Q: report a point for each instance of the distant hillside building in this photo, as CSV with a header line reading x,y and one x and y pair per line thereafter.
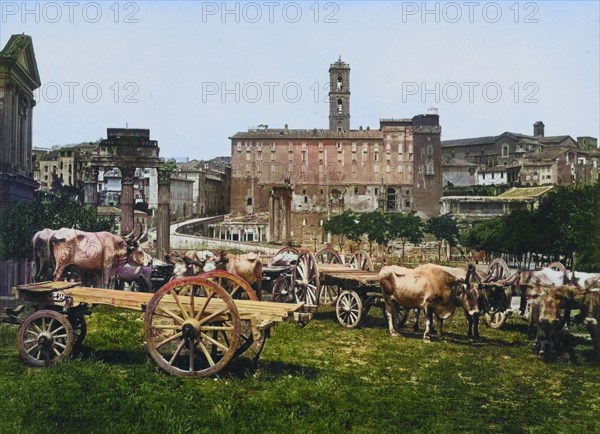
x,y
523,160
298,178
211,189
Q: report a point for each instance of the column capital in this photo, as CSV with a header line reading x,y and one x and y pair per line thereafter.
x,y
127,175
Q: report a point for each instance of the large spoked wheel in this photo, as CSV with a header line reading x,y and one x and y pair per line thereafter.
x,y
192,327
283,291
45,337
498,270
239,289
399,316
558,266
328,256
329,293
349,309
285,255
306,280
361,260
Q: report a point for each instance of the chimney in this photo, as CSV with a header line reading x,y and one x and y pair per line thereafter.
x,y
538,129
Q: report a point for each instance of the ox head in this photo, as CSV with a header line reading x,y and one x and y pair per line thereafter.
x,y
466,291
220,260
134,253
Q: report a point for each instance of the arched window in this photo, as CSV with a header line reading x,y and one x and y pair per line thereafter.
x,y
249,201
505,151
339,106
340,83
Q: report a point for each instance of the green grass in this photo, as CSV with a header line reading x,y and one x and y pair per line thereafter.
x,y
321,378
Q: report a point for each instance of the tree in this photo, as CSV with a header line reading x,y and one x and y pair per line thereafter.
x,y
443,228
376,226
346,225
406,227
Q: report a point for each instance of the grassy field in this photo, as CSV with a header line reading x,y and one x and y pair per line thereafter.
x,y
321,378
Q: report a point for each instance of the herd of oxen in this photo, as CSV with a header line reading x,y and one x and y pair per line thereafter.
x,y
104,260
548,296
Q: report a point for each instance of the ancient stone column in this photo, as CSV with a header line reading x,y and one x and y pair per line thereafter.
x,y
163,223
90,186
127,219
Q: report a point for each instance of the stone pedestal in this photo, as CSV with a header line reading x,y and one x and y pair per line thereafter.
x,y
127,218
163,241
90,186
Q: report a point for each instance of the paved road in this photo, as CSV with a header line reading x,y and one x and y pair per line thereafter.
x,y
183,241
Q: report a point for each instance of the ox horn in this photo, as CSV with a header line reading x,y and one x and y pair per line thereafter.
x,y
136,239
130,235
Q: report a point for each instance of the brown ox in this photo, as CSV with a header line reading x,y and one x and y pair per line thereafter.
x,y
43,257
100,254
545,321
432,289
248,267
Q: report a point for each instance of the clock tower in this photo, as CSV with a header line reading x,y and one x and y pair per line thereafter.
x,y
339,96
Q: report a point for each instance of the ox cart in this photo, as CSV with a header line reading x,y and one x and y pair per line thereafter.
x,y
294,275
193,326
326,278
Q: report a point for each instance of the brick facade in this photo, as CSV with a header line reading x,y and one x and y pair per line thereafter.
x,y
299,178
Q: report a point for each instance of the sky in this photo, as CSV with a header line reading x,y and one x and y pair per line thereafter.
x,y
195,73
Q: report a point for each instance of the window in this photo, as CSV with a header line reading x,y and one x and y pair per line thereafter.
x,y
505,151
249,201
429,169
320,147
239,146
353,146
339,146
340,83
376,157
429,150
339,106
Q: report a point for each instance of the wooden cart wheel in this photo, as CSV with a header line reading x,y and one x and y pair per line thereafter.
x,y
192,327
349,309
287,254
283,291
495,320
558,266
328,256
239,289
306,280
498,270
45,337
329,293
361,260
399,315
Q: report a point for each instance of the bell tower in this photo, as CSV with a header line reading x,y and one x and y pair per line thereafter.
x,y
339,96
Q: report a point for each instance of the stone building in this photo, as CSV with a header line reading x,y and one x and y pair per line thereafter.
x,y
18,79
474,208
300,177
523,160
211,189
